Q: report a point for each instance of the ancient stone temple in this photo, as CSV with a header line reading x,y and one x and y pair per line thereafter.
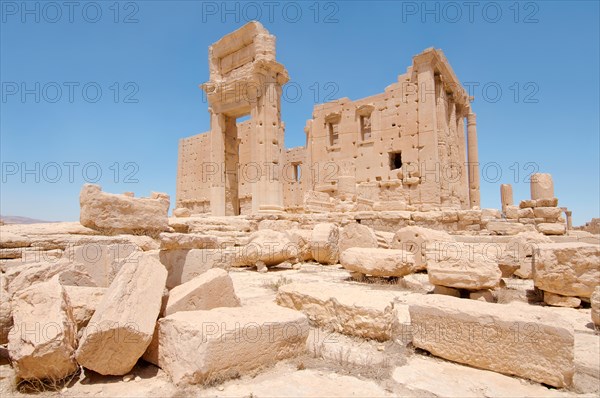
x,y
411,147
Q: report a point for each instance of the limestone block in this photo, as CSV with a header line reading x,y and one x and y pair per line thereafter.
x,y
300,244
270,247
595,304
542,186
547,212
379,262
122,214
278,225
527,203
347,309
179,241
84,300
508,228
212,289
448,291
568,269
557,300
6,320
356,235
123,324
461,266
102,261
202,346
553,202
518,254
20,278
43,340
419,241
526,213
184,265
324,243
551,228
181,212
487,214
482,295
512,212
525,342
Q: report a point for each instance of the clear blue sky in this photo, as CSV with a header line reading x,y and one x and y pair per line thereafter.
x,y
543,56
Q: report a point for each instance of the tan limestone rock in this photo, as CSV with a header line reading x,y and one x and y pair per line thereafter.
x,y
419,241
356,235
122,214
595,304
122,325
6,320
179,241
84,300
552,228
379,262
43,341
324,243
212,289
557,300
202,346
518,254
526,342
568,269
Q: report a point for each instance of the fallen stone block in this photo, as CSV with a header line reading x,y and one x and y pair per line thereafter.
x,y
568,269
324,243
179,241
447,291
379,262
348,309
102,261
595,304
43,340
268,247
6,320
525,341
460,266
552,228
20,278
122,326
84,300
356,235
557,300
112,213
419,241
182,212
508,228
300,244
212,289
518,254
202,346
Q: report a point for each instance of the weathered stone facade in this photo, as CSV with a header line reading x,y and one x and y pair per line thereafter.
x,y
408,147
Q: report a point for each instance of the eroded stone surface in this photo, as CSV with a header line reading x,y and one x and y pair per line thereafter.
x,y
527,342
379,262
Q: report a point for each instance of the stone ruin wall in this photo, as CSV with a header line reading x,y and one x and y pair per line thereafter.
x,y
403,149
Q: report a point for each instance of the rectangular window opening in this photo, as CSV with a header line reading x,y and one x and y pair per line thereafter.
x,y
395,160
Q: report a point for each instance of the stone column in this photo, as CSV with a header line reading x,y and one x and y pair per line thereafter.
x,y
542,186
267,191
217,166
568,215
429,187
473,160
506,196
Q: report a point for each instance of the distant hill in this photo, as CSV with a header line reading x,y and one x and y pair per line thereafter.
x,y
21,220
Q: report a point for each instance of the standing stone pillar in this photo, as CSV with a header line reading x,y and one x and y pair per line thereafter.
x,y
569,216
217,163
428,139
542,186
267,189
506,196
473,160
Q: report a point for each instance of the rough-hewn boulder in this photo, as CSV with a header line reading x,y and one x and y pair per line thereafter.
x,y
379,262
420,241
42,342
202,346
356,235
269,247
6,320
518,254
212,289
525,341
179,241
108,212
595,304
122,326
568,269
324,243
84,300
462,266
